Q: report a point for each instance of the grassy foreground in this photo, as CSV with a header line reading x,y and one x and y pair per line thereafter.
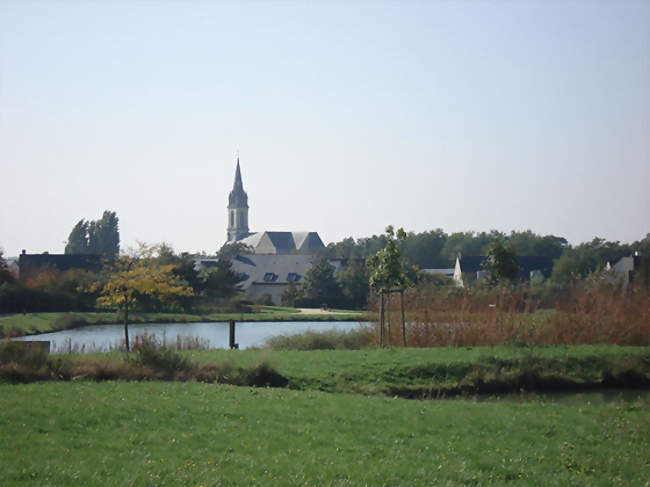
x,y
171,433
426,372
44,322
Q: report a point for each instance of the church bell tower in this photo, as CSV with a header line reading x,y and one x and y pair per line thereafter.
x,y
237,209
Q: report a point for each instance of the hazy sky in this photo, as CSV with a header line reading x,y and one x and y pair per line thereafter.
x,y
348,116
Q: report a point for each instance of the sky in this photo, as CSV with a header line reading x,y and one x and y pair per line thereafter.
x,y
348,116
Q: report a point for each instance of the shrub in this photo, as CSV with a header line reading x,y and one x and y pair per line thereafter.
x,y
148,353
328,340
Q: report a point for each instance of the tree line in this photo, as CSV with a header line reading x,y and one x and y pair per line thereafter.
x,y
436,249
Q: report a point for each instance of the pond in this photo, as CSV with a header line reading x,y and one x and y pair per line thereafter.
x,y
101,338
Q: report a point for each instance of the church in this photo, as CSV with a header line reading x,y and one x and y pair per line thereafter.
x,y
277,258
263,242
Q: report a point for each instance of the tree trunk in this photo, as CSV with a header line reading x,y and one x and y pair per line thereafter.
x,y
403,323
381,320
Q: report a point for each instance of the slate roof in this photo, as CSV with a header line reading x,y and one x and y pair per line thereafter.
x,y
283,242
527,264
272,268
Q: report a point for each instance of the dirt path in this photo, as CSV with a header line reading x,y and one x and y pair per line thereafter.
x,y
318,311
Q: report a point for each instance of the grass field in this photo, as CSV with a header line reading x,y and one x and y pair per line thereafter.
x,y
44,322
411,373
170,433
423,372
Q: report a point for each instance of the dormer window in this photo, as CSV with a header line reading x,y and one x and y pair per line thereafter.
x,y
293,277
270,277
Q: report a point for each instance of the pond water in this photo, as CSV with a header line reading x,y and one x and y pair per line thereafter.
x,y
101,338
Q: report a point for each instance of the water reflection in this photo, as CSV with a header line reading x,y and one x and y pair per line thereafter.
x,y
101,338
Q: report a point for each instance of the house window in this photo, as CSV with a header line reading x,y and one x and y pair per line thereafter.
x,y
293,277
270,277
232,218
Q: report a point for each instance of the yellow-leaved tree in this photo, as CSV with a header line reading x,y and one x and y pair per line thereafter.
x,y
133,277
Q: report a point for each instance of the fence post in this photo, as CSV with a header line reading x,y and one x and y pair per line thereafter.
x,y
389,340
401,293
381,318
233,345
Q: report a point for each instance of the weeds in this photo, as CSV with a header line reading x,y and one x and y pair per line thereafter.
x,y
149,360
328,340
588,314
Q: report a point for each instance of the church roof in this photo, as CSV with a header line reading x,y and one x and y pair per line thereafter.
x,y
283,242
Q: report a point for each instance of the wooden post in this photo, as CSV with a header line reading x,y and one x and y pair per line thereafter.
x,y
232,343
126,326
381,318
389,330
401,293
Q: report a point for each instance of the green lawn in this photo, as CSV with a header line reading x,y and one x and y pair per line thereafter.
x,y
44,322
427,372
170,433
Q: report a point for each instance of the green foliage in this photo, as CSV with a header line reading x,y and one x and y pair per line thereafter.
x,y
5,275
78,239
149,353
100,237
386,266
221,281
320,286
578,262
354,282
290,295
230,250
328,340
501,263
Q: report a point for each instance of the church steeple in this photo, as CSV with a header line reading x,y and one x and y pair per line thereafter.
x,y
237,209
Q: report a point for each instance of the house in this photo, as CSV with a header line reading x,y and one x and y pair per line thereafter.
x,y
444,272
271,274
30,265
531,268
622,272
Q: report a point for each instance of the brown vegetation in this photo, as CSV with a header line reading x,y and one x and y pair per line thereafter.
x,y
148,361
587,314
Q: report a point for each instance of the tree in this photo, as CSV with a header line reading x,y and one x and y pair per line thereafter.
x,y
78,239
107,234
99,237
320,286
586,258
221,281
5,273
230,250
386,266
132,278
387,275
501,262
353,280
290,295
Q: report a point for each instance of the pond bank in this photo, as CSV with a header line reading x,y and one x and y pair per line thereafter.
x,y
35,323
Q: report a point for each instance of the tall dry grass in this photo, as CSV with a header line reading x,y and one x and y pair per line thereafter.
x,y
584,314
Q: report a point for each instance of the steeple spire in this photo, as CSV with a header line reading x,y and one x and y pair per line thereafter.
x,y
237,209
238,184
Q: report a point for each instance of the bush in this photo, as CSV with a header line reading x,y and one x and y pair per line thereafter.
x,y
328,340
148,353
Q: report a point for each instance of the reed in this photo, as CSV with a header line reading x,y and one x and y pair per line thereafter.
x,y
587,313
